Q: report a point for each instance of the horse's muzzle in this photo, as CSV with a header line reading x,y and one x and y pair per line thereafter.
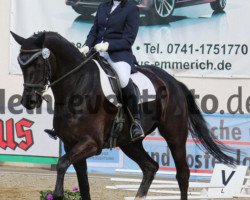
x,y
31,100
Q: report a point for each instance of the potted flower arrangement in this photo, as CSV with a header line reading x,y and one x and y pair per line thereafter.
x,y
73,194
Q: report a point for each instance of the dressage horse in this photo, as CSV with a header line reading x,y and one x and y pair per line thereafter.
x,y
84,126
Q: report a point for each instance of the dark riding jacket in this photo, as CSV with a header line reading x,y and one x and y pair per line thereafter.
x,y
118,28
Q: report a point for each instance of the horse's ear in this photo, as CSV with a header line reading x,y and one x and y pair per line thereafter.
x,y
40,40
20,40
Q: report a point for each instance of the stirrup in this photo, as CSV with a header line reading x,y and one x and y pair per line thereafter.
x,y
51,133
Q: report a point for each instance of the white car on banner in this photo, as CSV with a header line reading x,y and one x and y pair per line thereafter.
x,y
154,8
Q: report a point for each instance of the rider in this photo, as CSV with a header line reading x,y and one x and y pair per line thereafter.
x,y
112,35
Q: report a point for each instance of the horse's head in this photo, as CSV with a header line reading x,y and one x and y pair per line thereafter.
x,y
33,60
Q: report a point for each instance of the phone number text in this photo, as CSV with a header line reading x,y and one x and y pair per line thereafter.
x,y
216,49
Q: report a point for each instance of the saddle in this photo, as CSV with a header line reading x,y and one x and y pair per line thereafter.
x,y
112,76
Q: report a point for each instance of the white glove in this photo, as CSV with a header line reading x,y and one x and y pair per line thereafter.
x,y
84,50
102,47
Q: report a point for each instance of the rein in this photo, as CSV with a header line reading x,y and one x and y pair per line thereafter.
x,y
73,70
45,53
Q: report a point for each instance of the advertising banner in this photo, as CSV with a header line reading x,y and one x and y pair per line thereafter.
x,y
209,39
232,130
22,133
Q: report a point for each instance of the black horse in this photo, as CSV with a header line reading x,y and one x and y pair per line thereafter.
x,y
85,131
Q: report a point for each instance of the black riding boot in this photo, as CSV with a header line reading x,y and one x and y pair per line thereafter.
x,y
131,100
51,133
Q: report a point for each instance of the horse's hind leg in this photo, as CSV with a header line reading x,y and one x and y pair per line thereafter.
x,y
149,167
182,175
82,177
176,138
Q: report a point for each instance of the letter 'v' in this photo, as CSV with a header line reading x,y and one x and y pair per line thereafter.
x,y
224,180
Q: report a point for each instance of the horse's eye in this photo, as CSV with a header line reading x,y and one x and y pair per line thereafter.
x,y
25,57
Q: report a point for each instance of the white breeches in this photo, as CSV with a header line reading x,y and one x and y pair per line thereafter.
x,y
122,69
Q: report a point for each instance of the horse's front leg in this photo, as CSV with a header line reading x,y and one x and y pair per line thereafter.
x,y
87,147
61,168
82,177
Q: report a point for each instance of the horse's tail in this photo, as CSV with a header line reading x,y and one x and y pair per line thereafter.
x,y
197,125
200,131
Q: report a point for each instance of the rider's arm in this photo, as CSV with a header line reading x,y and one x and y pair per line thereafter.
x,y
92,36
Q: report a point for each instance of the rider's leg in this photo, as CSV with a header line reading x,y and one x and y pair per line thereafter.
x,y
130,98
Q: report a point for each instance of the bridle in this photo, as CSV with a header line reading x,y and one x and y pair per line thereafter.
x,y
39,88
45,54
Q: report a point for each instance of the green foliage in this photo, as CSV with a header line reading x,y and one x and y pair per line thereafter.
x,y
43,194
68,195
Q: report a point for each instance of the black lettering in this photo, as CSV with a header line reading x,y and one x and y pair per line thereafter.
x,y
224,180
238,99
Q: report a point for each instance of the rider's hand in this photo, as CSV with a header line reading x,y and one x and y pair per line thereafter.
x,y
84,50
102,47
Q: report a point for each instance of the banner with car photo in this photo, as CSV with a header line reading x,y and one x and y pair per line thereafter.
x,y
194,38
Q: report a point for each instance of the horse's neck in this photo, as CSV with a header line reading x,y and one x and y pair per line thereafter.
x,y
78,83
75,83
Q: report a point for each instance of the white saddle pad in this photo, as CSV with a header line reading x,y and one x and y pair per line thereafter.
x,y
145,86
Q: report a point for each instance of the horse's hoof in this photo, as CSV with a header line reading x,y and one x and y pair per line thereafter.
x,y
56,197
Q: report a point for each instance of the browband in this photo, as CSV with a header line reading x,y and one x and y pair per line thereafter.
x,y
45,52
